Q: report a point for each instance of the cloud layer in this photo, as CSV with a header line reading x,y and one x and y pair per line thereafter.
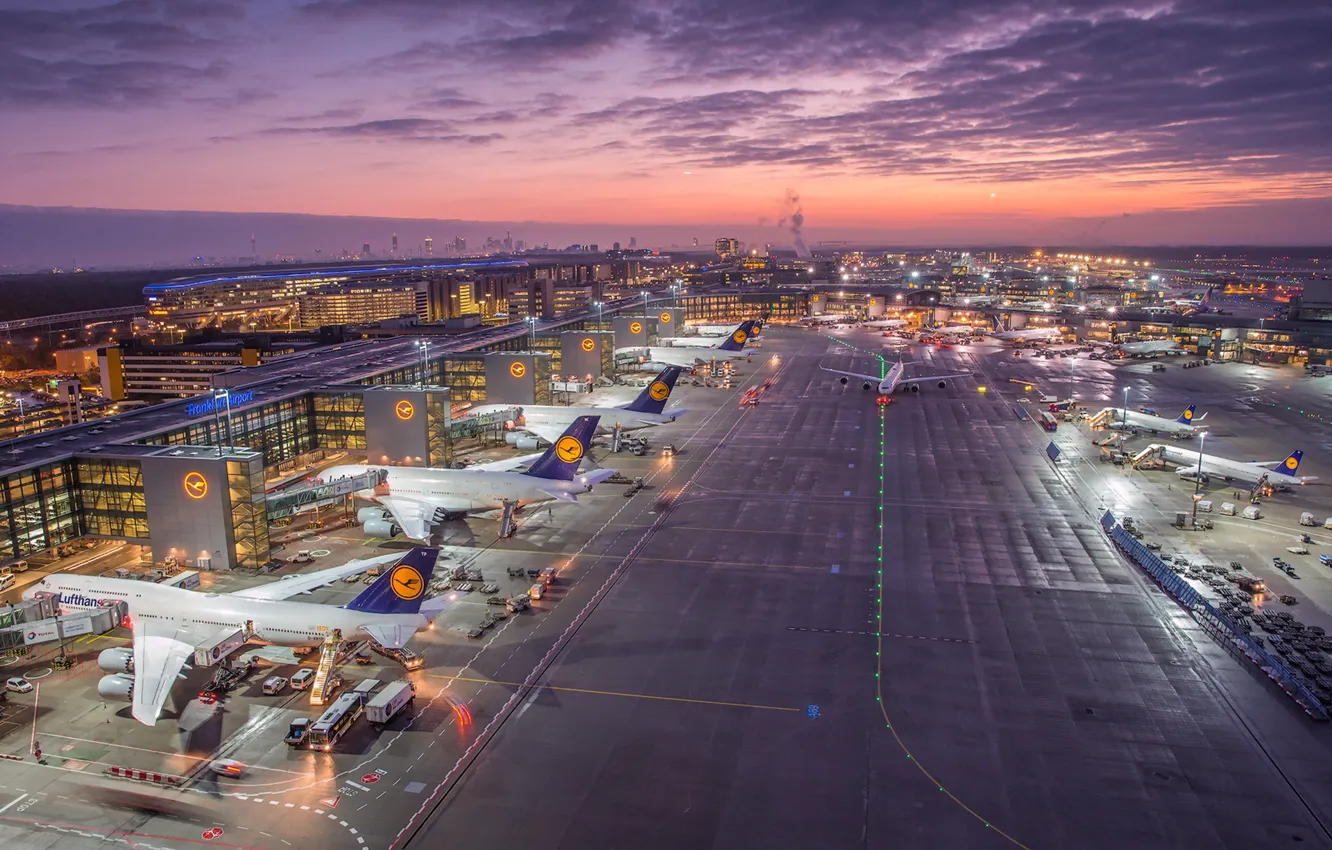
x,y
530,108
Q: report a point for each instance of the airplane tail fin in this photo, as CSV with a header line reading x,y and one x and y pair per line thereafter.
x,y
401,588
560,461
736,342
1186,418
1290,465
654,396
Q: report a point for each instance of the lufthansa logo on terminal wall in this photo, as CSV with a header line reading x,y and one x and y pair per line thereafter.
x,y
196,486
635,327
517,369
665,317
588,344
406,582
404,410
569,449
659,391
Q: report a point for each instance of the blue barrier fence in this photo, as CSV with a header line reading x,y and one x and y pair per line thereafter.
x,y
1216,621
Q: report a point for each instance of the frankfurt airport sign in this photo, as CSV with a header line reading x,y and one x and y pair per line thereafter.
x,y
199,408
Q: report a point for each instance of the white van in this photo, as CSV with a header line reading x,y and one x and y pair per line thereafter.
x,y
7,581
303,678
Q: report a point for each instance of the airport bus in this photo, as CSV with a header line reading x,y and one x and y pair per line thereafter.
x,y
1048,421
335,722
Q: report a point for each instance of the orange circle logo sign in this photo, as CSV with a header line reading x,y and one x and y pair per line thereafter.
x,y
739,337
569,449
635,327
1291,463
589,344
1188,414
196,486
517,369
404,410
666,317
406,583
658,391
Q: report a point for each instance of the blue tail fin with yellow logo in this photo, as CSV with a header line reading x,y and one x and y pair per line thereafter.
x,y
736,341
560,462
401,588
1290,465
654,396
1186,418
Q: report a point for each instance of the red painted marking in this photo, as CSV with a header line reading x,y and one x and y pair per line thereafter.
x,y
370,778
331,802
210,834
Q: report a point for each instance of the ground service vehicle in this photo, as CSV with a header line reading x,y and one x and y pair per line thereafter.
x,y
1048,422
334,723
274,685
303,678
299,731
386,704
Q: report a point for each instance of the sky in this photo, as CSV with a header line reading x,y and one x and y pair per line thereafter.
x,y
944,120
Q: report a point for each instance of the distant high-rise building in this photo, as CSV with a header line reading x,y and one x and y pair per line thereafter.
x,y
459,245
519,245
633,242
615,246
727,247
365,249
429,246
508,242
395,243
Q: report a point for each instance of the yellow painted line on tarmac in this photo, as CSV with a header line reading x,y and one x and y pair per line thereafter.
x,y
614,693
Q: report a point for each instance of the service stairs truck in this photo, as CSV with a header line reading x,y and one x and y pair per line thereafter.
x,y
386,704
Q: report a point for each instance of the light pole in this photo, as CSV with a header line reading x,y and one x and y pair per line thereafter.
x,y
597,304
220,397
421,346
645,294
531,335
1126,389
1197,480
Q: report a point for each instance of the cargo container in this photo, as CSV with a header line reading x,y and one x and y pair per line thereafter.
x,y
218,646
386,704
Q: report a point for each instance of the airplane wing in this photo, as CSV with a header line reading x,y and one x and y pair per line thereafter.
x,y
290,586
875,378
595,476
412,515
390,635
510,463
161,648
914,378
549,433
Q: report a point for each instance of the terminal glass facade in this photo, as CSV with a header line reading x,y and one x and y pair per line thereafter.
x,y
282,430
39,510
340,420
111,497
725,307
249,522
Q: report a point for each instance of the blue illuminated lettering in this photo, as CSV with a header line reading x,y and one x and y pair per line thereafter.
x,y
199,408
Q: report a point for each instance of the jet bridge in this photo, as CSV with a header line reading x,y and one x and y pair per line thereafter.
x,y
291,501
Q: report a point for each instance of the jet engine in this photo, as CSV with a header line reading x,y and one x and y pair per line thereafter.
x,y
365,515
942,384
117,687
116,660
915,388
381,528
526,443
843,379
867,385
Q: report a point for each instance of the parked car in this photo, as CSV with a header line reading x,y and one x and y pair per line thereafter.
x,y
275,685
18,685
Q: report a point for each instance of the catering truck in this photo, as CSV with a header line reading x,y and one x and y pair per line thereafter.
x,y
386,704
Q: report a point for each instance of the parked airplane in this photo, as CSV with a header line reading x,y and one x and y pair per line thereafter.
x,y
733,348
884,324
1028,334
1277,474
1149,348
952,330
646,411
419,498
168,623
894,380
702,341
826,319
723,330
1185,425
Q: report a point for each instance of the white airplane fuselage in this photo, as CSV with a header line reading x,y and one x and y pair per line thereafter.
x,y
558,416
1115,417
467,490
281,623
1220,467
689,356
